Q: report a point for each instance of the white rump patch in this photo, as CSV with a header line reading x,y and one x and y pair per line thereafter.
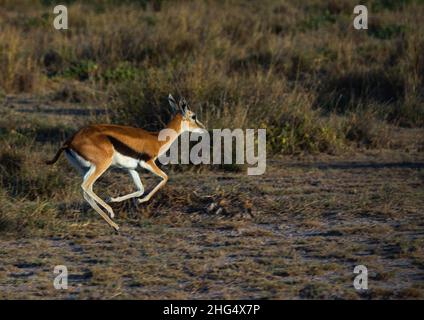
x,y
76,160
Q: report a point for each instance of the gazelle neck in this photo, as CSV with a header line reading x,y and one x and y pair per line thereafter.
x,y
174,130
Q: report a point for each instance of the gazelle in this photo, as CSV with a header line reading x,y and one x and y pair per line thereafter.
x,y
95,148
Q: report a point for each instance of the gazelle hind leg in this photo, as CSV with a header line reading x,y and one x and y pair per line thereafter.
x,y
92,175
152,167
94,205
139,185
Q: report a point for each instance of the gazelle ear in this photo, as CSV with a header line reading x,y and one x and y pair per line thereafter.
x,y
183,105
172,103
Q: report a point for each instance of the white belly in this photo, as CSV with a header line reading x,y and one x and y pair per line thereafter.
x,y
121,161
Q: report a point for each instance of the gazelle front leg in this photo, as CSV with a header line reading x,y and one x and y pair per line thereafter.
x,y
152,167
139,185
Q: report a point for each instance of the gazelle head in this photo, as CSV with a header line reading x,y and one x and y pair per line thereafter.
x,y
189,120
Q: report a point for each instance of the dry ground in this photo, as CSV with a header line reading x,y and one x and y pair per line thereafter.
x,y
295,232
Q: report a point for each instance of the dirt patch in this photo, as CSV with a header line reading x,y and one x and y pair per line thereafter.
x,y
302,230
296,232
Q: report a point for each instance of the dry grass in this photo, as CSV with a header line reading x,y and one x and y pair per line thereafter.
x,y
285,65
339,104
296,232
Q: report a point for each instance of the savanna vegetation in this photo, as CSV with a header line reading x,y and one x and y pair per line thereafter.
x,y
298,68
324,91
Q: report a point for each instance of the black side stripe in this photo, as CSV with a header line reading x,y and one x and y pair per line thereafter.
x,y
122,148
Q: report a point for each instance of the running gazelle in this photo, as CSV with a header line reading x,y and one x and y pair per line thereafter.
x,y
95,148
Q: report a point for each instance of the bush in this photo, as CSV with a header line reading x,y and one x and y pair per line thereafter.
x,y
366,130
303,132
239,64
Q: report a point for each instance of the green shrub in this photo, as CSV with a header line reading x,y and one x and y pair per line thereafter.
x,y
81,70
299,133
387,31
124,71
392,5
316,21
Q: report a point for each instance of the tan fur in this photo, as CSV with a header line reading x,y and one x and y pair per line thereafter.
x,y
94,145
